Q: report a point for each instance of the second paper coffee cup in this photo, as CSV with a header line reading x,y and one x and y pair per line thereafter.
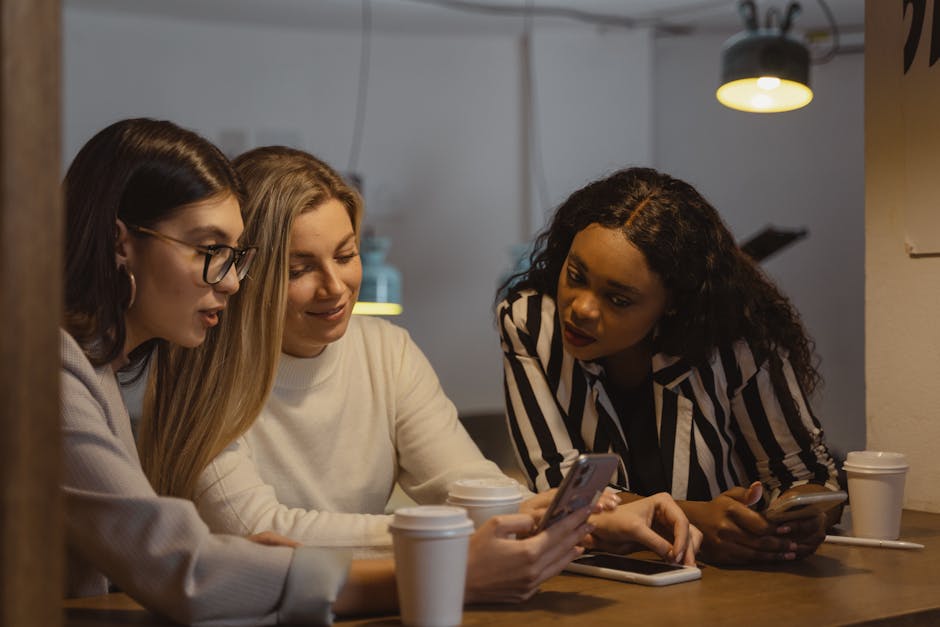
x,y
484,498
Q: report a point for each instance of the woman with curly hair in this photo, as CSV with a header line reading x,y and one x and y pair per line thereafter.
x,y
640,328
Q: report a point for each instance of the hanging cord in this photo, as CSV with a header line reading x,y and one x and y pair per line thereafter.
x,y
529,10
364,59
589,17
833,33
535,161
772,19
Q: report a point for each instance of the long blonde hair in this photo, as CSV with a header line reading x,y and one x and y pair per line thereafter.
x,y
222,385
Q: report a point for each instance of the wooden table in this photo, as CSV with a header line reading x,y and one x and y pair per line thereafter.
x,y
840,585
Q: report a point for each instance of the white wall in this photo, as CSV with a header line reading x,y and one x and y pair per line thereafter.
x,y
902,294
797,169
443,155
594,106
443,152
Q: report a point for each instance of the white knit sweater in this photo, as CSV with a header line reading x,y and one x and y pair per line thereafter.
x,y
338,431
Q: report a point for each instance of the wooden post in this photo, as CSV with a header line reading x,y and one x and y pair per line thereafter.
x,y
31,243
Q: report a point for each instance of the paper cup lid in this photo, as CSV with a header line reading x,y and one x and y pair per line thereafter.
x,y
431,518
458,501
482,489
882,460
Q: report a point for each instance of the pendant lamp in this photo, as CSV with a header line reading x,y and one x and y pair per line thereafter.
x,y
764,70
380,292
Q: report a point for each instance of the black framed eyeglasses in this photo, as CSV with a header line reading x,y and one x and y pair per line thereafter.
x,y
219,257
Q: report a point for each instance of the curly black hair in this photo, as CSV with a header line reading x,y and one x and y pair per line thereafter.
x,y
717,294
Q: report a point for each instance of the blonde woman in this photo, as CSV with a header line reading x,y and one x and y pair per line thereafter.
x,y
153,258
354,405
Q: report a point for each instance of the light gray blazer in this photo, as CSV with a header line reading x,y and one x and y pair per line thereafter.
x,y
156,548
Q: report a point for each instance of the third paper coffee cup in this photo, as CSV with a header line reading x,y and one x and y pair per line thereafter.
x,y
430,543
876,492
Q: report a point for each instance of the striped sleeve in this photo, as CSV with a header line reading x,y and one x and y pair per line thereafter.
x,y
784,438
536,374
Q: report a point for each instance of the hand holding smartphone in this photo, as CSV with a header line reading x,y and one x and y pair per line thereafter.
x,y
803,505
581,487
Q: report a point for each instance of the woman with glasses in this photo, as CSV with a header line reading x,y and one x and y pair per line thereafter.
x,y
641,329
354,405
153,255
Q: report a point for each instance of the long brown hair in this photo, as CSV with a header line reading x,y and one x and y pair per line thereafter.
x,y
717,293
140,171
227,379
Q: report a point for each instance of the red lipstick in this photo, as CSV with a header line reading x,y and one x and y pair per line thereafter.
x,y
577,337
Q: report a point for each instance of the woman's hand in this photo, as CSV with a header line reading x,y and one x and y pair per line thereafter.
x,y
502,569
809,533
656,523
736,534
538,504
269,538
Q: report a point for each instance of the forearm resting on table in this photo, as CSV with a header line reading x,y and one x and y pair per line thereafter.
x,y
369,589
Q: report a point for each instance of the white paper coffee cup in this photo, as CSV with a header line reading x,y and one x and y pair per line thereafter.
x,y
484,498
430,544
876,492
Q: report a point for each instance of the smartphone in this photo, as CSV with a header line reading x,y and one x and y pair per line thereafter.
x,y
632,570
581,487
803,505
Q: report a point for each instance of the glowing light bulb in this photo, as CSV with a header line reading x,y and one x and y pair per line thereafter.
x,y
768,83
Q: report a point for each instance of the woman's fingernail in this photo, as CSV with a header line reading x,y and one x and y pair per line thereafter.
x,y
783,529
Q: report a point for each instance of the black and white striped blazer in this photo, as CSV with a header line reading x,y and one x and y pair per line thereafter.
x,y
719,426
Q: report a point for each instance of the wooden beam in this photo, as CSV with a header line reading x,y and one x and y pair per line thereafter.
x,y
31,243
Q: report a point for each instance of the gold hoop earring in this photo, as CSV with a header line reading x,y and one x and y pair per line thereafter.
x,y
132,280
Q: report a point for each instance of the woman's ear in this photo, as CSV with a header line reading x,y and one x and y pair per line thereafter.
x,y
121,244
671,308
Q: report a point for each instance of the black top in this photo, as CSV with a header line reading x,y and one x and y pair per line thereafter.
x,y
637,414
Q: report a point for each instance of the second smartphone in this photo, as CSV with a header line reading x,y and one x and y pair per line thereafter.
x,y
645,572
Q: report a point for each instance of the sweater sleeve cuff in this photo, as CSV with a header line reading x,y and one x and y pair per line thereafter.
x,y
314,580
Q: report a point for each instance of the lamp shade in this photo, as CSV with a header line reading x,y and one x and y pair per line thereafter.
x,y
380,292
764,71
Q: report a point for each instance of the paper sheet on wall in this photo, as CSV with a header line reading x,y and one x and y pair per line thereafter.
x,y
920,105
